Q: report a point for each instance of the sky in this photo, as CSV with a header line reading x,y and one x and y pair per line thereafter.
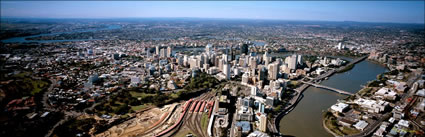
x,y
361,11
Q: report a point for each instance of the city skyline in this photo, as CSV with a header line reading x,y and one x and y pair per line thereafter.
x,y
359,11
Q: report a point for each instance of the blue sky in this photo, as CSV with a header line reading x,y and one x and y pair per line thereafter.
x,y
363,11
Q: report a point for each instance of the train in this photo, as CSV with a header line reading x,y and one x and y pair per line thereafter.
x,y
193,106
198,105
186,105
178,121
203,106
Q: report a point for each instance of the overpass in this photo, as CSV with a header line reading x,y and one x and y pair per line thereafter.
x,y
328,88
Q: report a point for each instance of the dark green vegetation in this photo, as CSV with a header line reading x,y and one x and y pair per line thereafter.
x,y
135,99
73,127
21,126
294,84
16,122
287,96
21,85
347,68
310,59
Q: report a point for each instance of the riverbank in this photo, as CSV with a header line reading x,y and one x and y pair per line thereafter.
x,y
307,115
331,125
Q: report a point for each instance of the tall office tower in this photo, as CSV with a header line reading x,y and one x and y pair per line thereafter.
x,y
205,59
263,123
273,71
244,49
192,62
299,59
292,62
180,61
232,57
253,62
224,57
262,75
162,53
266,57
217,61
212,58
148,53
261,107
185,60
252,72
169,51
206,67
157,50
245,78
266,62
220,64
226,70
254,90
242,61
208,48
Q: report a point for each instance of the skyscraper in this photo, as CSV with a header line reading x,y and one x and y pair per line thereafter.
x,y
157,50
292,62
244,49
226,70
253,62
273,71
263,123
163,53
299,59
169,51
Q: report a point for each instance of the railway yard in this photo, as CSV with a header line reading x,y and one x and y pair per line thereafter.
x,y
170,120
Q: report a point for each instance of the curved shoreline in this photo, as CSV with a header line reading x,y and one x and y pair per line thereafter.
x,y
327,129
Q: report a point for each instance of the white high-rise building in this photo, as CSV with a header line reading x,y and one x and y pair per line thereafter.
x,y
340,46
245,78
253,62
263,123
292,62
266,58
169,51
225,58
163,53
157,50
254,90
273,71
185,60
226,70
299,59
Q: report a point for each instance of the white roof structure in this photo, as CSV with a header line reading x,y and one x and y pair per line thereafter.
x,y
361,125
339,107
421,93
403,123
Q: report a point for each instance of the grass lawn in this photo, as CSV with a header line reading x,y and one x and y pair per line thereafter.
x,y
34,86
139,107
138,94
204,121
38,86
331,125
365,91
350,131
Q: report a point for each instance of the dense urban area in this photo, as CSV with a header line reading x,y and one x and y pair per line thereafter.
x,y
204,77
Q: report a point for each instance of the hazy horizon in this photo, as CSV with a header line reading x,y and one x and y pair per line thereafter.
x,y
338,11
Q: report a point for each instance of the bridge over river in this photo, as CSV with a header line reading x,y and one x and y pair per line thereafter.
x,y
328,88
